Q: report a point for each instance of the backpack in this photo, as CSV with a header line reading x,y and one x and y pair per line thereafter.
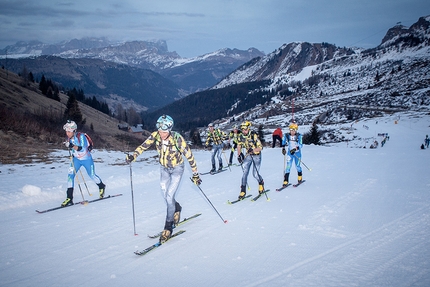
x,y
90,141
175,137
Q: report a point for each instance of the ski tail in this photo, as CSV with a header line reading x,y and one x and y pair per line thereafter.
x,y
156,245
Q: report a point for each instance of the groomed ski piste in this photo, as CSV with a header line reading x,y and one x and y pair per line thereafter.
x,y
361,219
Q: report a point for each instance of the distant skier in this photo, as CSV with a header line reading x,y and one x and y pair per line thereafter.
x,y
277,136
81,156
427,141
233,136
293,140
251,144
171,146
215,137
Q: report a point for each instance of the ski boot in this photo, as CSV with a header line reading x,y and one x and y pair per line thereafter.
x,y
102,188
177,214
213,169
286,176
299,177
242,193
220,167
69,200
261,187
167,232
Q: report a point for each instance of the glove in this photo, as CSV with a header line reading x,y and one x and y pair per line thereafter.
x,y
68,144
129,158
250,151
292,151
196,179
284,152
240,158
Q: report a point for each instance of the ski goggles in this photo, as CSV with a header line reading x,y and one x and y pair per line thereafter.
x,y
164,125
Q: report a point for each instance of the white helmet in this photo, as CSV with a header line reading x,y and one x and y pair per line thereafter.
x,y
70,126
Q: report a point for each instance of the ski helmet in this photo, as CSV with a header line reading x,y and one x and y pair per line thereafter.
x,y
210,125
164,123
294,126
245,125
70,126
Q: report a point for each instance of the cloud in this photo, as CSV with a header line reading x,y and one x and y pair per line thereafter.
x,y
63,23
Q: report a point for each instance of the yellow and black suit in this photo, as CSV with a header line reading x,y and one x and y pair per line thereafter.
x,y
170,153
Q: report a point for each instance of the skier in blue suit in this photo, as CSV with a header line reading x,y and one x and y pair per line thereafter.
x,y
293,140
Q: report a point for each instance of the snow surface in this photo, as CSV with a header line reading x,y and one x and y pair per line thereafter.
x,y
362,218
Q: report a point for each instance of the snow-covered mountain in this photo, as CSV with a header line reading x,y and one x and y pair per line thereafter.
x,y
291,59
320,83
190,74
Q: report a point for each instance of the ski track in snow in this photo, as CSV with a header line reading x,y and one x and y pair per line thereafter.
x,y
361,219
361,254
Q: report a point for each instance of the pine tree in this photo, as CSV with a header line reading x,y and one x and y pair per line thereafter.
x,y
43,87
72,111
195,137
314,137
261,134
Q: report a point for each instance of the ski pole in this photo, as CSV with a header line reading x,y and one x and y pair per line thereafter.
x,y
259,176
225,221
300,161
225,157
132,199
76,176
83,178
285,160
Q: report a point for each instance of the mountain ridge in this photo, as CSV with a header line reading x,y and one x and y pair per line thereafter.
x,y
190,75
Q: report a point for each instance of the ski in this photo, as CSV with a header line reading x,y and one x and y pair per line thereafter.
x,y
299,183
234,164
98,199
180,223
237,200
260,194
283,187
80,202
213,172
156,245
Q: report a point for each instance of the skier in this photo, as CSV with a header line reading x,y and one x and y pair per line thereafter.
x,y
293,140
216,137
80,156
277,136
233,136
250,142
427,141
171,146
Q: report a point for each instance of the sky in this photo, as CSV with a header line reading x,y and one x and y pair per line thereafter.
x,y
362,218
194,27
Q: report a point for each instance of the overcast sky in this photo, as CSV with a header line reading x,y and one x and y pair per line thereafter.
x,y
196,27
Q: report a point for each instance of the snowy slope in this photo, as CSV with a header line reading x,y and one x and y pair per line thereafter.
x,y
361,219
